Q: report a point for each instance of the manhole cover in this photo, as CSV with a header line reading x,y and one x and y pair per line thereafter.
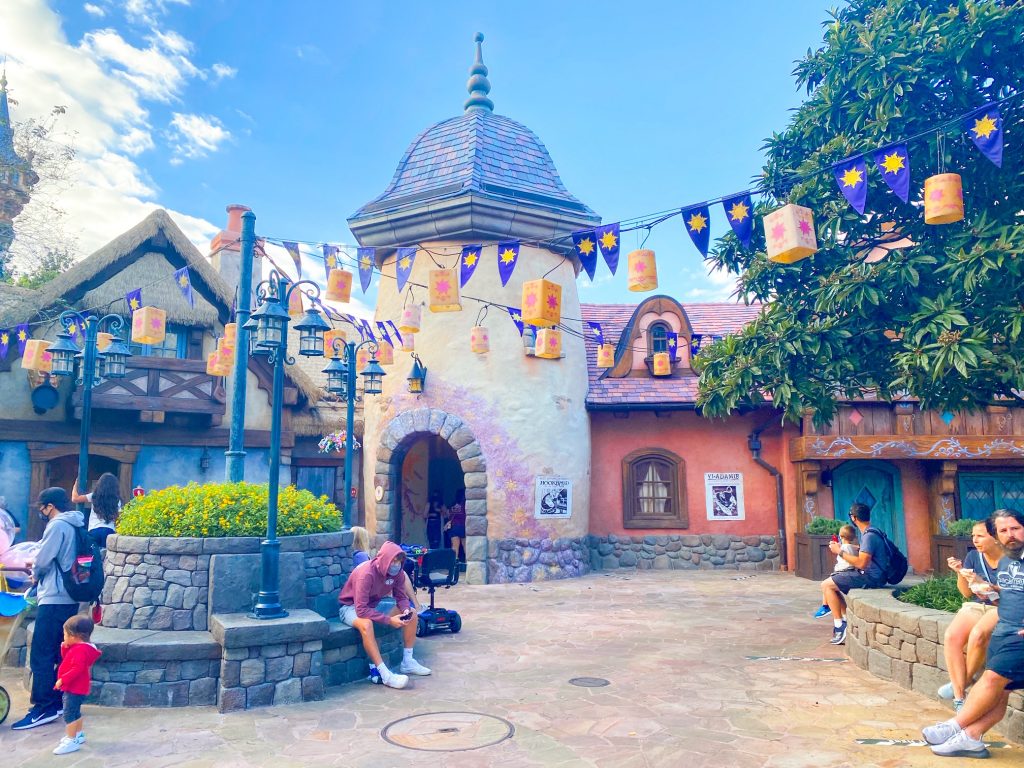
x,y
589,682
448,731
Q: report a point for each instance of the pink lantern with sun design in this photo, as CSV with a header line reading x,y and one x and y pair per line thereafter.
x,y
385,353
479,339
605,356
943,199
36,357
339,285
408,343
149,325
542,302
662,364
549,343
411,318
643,271
789,233
444,290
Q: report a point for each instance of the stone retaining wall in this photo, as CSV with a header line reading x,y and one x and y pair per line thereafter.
x,y
522,560
684,552
902,642
164,583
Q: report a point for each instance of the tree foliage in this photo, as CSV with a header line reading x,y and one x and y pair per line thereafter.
x,y
941,320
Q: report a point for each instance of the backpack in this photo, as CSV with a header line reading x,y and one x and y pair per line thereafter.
x,y
84,580
898,565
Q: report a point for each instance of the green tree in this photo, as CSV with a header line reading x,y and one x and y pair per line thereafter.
x,y
941,320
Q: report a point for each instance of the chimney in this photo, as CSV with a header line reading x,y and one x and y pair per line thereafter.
x,y
226,247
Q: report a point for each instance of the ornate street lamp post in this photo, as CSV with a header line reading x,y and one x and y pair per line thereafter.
x,y
341,380
271,321
94,367
234,457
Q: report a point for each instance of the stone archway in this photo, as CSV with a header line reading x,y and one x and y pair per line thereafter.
x,y
450,428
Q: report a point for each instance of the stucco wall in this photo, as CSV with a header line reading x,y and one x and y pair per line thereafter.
x,y
16,389
15,475
161,466
527,414
916,513
705,446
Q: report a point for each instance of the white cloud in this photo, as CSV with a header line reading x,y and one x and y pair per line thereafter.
x,y
194,136
106,115
94,10
222,71
158,72
148,11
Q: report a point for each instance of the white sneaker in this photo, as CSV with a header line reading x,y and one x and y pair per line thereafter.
x,y
67,745
413,667
946,692
940,733
961,745
391,680
80,737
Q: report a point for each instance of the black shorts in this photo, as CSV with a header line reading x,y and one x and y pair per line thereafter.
x,y
1005,657
847,580
73,707
458,531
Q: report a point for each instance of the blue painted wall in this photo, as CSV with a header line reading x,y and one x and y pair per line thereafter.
x,y
162,466
15,478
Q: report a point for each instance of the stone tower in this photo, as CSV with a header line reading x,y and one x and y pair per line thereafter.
x,y
16,176
490,423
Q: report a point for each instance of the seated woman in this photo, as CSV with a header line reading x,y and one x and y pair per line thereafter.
x,y
973,624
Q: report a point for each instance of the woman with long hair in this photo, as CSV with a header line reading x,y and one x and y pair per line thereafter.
x,y
457,522
105,499
360,545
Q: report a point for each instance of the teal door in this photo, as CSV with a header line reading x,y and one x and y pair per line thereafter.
x,y
876,484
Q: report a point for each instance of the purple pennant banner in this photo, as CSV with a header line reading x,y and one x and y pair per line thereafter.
x,y
5,342
697,220
893,163
404,259
22,334
596,332
739,210
517,317
366,257
585,243
468,263
608,242
986,130
852,178
394,330
508,255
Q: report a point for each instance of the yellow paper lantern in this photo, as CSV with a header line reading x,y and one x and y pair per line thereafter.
x,y
295,304
362,358
549,343
542,302
444,290
662,364
230,335
149,325
479,339
339,285
943,199
410,322
643,271
605,356
329,338
789,233
408,342
385,354
103,340
36,357
218,364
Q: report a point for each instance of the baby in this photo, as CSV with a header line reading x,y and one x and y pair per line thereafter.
x,y
848,536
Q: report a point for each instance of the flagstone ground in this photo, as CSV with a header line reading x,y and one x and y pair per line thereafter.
x,y
672,644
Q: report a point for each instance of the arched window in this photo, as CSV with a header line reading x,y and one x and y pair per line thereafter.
x,y
654,490
657,338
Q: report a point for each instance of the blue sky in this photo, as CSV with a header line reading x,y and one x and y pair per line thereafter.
x,y
302,110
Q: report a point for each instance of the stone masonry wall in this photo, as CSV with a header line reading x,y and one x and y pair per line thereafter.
x,y
163,583
684,552
522,560
902,642
261,675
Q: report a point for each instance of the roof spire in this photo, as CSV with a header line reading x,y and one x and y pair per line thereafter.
x,y
478,85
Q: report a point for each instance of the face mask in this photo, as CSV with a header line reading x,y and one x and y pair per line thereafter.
x,y
394,569
43,516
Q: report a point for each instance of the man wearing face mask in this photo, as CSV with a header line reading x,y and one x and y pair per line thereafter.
x,y
56,552
372,583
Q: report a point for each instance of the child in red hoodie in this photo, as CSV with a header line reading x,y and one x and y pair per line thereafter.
x,y
74,678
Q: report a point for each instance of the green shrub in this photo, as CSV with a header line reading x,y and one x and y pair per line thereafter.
x,y
962,527
824,526
225,509
939,593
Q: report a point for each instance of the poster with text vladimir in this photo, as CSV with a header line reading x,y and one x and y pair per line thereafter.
x,y
724,494
553,497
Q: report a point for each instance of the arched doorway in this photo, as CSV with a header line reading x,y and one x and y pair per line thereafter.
x,y
426,464
876,484
426,429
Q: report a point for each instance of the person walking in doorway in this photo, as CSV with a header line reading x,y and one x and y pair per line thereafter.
x,y
456,525
434,513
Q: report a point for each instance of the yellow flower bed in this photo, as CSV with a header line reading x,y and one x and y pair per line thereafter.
x,y
225,509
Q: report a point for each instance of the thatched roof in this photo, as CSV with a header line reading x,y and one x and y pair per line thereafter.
x,y
146,257
322,418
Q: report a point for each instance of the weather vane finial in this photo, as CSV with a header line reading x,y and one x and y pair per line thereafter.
x,y
478,85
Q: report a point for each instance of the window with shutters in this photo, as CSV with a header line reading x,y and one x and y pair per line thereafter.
x,y
654,490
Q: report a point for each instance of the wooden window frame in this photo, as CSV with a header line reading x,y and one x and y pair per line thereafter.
x,y
650,337
632,516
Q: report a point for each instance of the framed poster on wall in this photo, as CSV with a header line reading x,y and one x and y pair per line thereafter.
x,y
553,497
724,494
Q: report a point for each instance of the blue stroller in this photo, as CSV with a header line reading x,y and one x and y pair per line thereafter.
x,y
12,605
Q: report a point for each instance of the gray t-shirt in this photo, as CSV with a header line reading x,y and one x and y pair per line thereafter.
x,y
1010,581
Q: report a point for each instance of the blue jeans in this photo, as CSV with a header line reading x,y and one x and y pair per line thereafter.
x,y
45,656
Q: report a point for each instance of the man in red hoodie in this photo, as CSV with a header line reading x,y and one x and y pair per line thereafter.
x,y
360,598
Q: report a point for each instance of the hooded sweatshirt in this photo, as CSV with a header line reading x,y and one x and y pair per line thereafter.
x,y
56,547
75,667
370,582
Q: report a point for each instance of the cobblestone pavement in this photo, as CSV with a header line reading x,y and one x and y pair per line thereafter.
x,y
673,645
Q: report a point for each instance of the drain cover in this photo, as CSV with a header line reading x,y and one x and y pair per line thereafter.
x,y
448,731
589,682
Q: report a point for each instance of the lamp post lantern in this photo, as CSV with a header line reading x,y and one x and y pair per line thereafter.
x,y
341,380
94,367
271,322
